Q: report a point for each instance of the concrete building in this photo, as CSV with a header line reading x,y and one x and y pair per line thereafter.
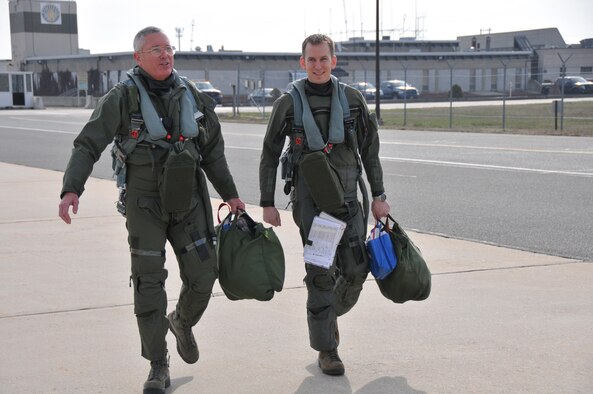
x,y
551,55
41,28
45,42
573,60
512,41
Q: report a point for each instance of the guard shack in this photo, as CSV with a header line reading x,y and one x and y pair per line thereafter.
x,y
16,89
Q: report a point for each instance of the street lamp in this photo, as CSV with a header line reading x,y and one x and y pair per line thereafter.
x,y
377,70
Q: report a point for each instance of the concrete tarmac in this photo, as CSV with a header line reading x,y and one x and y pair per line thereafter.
x,y
497,320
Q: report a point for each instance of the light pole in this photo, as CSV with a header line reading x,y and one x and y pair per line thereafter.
x,y
377,71
179,34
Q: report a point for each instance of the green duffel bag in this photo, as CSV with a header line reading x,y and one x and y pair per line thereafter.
x,y
250,258
411,278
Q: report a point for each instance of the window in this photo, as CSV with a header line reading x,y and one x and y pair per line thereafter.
x,y
4,83
18,85
425,80
518,78
472,80
494,80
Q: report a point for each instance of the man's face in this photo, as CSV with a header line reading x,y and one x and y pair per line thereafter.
x,y
318,62
158,66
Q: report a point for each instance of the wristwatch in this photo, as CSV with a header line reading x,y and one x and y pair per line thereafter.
x,y
381,197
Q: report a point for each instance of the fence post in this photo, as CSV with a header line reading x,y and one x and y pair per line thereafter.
x,y
238,86
234,99
450,94
406,93
263,88
562,74
504,95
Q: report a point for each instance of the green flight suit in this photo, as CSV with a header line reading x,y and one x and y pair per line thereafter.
x,y
190,233
332,292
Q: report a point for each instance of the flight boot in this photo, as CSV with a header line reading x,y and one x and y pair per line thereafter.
x,y
186,343
158,378
330,362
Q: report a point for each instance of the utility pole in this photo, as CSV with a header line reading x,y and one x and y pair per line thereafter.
x,y
377,71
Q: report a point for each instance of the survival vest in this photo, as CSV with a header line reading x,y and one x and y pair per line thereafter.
x,y
306,133
145,125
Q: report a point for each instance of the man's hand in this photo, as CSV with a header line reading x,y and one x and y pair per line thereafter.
x,y
236,203
380,209
272,216
69,199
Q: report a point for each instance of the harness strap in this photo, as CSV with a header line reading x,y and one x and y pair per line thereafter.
x,y
303,116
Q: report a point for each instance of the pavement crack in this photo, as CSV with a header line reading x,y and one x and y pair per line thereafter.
x,y
510,267
19,221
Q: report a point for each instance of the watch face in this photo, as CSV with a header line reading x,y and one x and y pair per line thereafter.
x,y
50,13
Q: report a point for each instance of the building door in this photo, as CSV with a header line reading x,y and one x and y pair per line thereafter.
x,y
18,89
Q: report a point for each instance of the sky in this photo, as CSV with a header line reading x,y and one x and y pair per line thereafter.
x,y
106,26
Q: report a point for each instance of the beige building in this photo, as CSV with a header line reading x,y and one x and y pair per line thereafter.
x,y
551,55
45,42
42,28
574,61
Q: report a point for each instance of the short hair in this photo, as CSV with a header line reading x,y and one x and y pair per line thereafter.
x,y
316,39
139,38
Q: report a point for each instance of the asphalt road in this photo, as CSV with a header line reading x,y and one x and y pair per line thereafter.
x,y
527,192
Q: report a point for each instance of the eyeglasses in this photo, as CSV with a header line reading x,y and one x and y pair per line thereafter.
x,y
158,51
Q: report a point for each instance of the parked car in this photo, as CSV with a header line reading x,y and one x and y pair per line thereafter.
x,y
398,90
574,85
367,89
265,96
210,90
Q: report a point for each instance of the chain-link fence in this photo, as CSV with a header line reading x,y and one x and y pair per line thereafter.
x,y
515,102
